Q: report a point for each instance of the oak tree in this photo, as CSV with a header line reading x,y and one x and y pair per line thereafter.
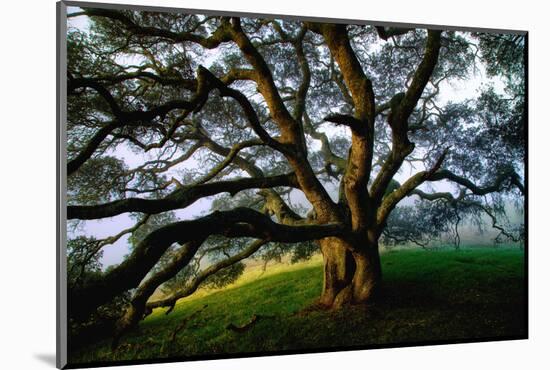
x,y
255,113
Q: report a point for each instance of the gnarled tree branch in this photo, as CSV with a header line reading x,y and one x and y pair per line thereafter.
x,y
391,200
496,186
361,153
203,275
179,198
401,106
239,222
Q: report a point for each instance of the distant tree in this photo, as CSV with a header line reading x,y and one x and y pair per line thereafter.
x,y
262,109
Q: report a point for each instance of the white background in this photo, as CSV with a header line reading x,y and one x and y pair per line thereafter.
x,y
27,182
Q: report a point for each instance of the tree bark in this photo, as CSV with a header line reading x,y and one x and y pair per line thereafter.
x,y
352,272
338,269
368,274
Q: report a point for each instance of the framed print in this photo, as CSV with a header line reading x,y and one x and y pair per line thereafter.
x,y
237,184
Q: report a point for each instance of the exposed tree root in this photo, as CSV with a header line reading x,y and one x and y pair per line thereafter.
x,y
253,320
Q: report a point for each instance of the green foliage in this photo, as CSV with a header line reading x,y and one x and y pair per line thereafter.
x,y
504,54
247,198
303,251
83,264
505,122
98,180
153,223
225,277
83,260
298,252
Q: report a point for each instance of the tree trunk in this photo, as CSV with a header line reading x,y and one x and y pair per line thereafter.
x,y
368,274
131,317
349,277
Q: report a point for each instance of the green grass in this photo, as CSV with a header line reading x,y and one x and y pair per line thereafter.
x,y
429,296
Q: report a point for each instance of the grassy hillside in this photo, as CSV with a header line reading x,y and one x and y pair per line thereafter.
x,y
429,296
